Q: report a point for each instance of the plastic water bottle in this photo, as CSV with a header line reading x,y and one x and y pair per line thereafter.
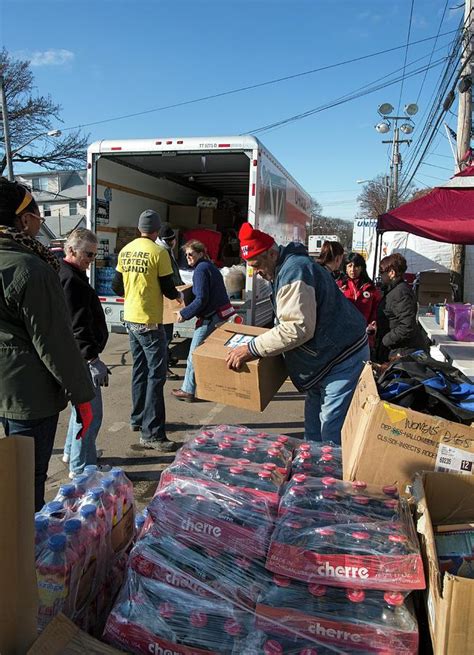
x,y
57,514
57,584
41,533
67,496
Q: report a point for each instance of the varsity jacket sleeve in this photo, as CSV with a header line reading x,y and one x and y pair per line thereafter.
x,y
296,314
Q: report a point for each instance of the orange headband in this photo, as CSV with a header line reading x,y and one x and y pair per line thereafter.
x,y
24,203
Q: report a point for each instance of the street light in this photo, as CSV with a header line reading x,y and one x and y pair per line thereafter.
x,y
54,133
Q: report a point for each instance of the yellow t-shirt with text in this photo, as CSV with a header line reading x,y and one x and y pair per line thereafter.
x,y
141,263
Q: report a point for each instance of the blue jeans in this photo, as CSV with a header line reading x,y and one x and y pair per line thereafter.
x,y
326,403
83,451
43,431
148,379
200,333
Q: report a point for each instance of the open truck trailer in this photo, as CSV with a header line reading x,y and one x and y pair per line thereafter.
x,y
209,183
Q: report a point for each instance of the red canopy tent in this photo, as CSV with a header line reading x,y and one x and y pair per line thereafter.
x,y
445,214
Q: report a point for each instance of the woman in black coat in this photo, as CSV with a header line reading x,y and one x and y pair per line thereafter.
x,y
397,329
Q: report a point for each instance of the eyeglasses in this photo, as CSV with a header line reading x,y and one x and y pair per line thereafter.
x,y
90,254
190,254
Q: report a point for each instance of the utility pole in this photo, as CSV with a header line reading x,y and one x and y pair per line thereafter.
x,y
396,160
6,130
463,140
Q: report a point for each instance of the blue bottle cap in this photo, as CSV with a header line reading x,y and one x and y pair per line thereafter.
x,y
57,542
53,507
96,492
41,522
88,510
91,468
139,521
107,482
72,525
67,490
80,479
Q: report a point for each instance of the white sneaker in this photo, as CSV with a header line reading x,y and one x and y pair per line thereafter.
x,y
72,475
65,458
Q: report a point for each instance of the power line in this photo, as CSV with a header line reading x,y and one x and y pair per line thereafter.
x,y
406,56
432,51
253,86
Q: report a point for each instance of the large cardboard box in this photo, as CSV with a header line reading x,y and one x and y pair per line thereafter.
x,y
446,499
62,637
383,443
183,216
433,287
250,388
18,590
172,306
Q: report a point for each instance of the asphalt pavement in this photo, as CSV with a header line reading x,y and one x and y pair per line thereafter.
x,y
284,415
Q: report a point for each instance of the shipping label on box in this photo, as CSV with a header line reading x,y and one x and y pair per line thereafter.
x,y
384,443
252,387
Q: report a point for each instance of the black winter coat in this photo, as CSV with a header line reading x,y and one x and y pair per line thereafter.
x,y
87,315
397,327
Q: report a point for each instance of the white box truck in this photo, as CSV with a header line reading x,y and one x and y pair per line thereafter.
x,y
315,242
192,182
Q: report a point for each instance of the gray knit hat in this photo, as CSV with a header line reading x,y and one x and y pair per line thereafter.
x,y
149,221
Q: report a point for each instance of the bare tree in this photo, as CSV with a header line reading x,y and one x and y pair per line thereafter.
x,y
373,198
321,224
31,116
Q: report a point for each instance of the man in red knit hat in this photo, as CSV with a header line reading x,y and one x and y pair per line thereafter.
x,y
321,335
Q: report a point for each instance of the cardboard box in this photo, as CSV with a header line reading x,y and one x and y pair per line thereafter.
x,y
444,498
18,592
433,287
383,443
62,637
250,388
122,533
207,216
184,217
172,306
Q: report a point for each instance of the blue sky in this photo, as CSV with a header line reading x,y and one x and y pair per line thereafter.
x,y
107,58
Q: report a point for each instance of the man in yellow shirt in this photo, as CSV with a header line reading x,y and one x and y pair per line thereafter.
x,y
144,274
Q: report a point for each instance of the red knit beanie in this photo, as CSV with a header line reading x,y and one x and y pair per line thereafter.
x,y
253,242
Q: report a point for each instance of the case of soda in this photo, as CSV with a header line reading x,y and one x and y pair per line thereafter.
x,y
365,620
318,459
214,516
74,548
344,534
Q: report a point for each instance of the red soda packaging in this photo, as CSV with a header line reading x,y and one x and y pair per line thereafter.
x,y
150,617
370,555
364,621
236,578
214,516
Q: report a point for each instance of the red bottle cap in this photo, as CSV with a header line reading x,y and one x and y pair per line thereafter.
x,y
222,445
326,532
217,458
394,598
237,470
309,650
390,490
269,466
328,481
361,535
398,538
329,469
305,446
327,457
296,525
306,454
198,619
283,438
281,581
230,437
317,589
272,647
328,495
166,610
273,452
200,440
299,477
359,484
391,504
361,500
209,466
249,449
355,595
265,475
243,461
298,491
232,627
327,449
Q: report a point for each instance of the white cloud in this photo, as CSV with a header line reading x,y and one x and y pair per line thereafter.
x,y
50,57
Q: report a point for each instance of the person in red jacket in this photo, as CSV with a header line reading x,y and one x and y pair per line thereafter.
x,y
359,289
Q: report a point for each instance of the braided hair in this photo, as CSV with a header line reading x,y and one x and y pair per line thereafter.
x,y
15,199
